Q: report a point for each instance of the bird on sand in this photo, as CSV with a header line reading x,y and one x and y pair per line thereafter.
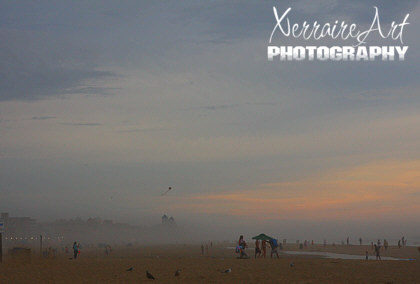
x,y
227,271
292,264
178,272
131,268
149,276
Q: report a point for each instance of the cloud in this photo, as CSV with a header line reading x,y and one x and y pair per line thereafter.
x,y
43,117
214,107
82,124
40,65
139,130
376,190
233,120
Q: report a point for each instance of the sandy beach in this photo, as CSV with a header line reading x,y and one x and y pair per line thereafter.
x,y
93,266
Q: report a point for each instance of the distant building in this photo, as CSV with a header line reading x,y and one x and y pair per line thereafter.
x,y
19,228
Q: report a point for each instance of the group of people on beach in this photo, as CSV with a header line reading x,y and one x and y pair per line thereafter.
x,y
259,252
402,242
205,249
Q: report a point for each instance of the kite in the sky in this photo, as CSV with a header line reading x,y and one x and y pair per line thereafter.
x,y
169,189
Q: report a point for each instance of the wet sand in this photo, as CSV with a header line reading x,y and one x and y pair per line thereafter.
x,y
162,261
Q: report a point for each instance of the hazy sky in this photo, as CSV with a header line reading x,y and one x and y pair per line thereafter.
x,y
104,104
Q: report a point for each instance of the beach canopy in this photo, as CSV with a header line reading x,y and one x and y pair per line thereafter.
x,y
262,237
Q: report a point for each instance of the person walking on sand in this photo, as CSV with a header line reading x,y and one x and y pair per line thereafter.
x,y
264,247
75,250
378,252
257,248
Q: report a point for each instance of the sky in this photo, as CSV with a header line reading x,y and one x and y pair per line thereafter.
x,y
104,105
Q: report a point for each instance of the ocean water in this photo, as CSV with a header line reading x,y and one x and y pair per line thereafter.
x,y
339,255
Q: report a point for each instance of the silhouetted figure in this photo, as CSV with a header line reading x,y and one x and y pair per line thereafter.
x,y
257,248
149,276
367,255
264,248
75,250
386,244
274,246
360,241
399,243
348,240
378,252
202,249
242,245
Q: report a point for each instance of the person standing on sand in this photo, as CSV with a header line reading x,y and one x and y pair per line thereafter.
x,y
75,250
257,248
360,241
242,244
274,246
378,252
264,247
202,249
